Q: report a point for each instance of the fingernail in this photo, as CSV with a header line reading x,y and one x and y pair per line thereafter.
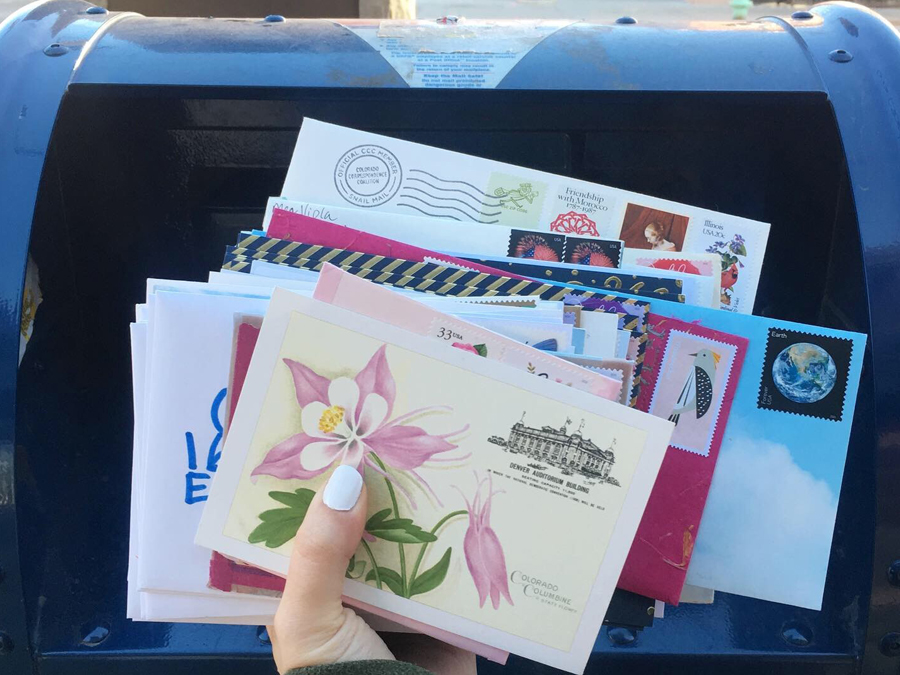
x,y
343,488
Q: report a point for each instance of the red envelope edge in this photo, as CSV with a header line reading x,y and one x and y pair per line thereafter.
x,y
308,230
661,552
226,574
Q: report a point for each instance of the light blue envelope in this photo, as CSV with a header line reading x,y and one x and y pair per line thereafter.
x,y
768,523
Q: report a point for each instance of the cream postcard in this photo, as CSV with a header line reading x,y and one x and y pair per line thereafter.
x,y
501,506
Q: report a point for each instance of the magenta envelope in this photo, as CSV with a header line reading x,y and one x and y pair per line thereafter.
x,y
690,375
297,227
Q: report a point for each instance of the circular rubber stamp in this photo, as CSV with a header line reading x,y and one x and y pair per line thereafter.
x,y
368,175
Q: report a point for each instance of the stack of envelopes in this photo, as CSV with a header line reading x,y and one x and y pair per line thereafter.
x,y
572,365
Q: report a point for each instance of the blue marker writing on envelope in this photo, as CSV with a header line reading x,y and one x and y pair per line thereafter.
x,y
193,479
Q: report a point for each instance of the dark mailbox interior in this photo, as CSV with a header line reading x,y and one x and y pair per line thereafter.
x,y
151,182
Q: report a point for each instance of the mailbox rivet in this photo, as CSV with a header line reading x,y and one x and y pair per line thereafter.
x,y
893,573
274,18
796,634
6,644
621,637
840,55
890,644
96,10
263,635
94,634
801,15
56,49
626,20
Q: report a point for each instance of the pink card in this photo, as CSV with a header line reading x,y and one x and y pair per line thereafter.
x,y
696,266
245,336
230,575
345,290
690,373
297,227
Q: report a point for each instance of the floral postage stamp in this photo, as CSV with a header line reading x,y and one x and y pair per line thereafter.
x,y
741,247
690,388
805,374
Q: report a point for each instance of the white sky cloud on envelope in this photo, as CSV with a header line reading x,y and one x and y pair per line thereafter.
x,y
768,522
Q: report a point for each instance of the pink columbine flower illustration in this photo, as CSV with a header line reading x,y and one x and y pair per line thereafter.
x,y
484,554
345,420
466,347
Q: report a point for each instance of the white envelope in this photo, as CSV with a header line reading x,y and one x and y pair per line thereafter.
x,y
338,166
187,378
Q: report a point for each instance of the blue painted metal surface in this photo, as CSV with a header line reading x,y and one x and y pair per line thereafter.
x,y
31,87
197,97
865,95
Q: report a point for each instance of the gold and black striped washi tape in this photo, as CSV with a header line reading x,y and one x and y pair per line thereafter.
x,y
439,283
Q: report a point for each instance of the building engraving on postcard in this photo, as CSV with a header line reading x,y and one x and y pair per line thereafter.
x,y
571,452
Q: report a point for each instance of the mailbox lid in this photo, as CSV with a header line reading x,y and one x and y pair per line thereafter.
x,y
692,56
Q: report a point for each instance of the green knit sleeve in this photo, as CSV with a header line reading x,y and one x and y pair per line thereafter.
x,y
362,668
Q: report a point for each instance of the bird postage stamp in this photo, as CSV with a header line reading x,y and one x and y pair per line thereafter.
x,y
805,374
691,385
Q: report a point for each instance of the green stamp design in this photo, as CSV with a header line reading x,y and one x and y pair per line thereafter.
x,y
521,201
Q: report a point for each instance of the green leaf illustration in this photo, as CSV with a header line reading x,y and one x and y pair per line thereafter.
x,y
299,499
388,577
432,577
355,568
376,519
399,530
481,349
728,260
742,250
279,526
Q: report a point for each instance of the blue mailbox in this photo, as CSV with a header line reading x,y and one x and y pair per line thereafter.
x,y
134,147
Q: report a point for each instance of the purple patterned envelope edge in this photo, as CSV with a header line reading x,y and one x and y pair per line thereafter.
x,y
638,311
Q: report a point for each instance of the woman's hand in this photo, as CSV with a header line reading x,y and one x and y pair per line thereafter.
x,y
311,625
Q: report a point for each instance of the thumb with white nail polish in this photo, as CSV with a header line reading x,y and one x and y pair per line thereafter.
x,y
343,488
311,626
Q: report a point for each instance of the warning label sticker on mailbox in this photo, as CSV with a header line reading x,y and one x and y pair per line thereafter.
x,y
454,53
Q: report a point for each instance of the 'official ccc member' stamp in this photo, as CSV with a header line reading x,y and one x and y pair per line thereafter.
x,y
368,175
805,374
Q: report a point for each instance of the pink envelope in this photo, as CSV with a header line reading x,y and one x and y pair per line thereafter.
x,y
230,575
297,227
683,362
345,290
